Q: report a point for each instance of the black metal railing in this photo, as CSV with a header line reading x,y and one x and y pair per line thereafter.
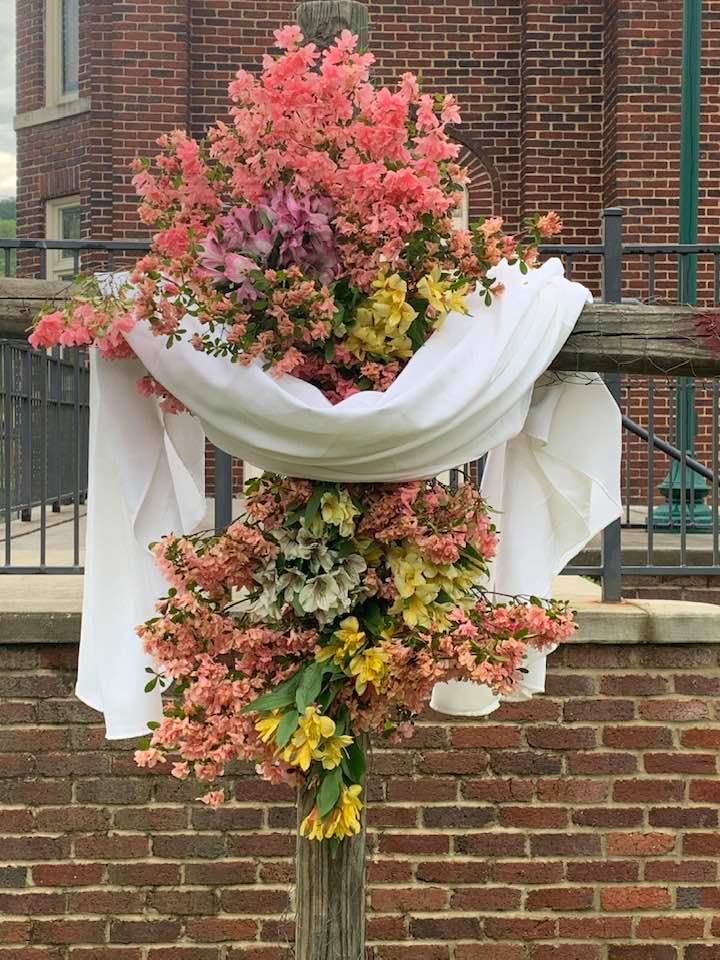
x,y
637,546
44,419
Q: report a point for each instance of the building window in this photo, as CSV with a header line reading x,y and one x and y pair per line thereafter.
x,y
62,223
62,51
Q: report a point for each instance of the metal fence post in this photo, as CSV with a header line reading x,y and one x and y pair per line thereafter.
x,y
223,490
611,559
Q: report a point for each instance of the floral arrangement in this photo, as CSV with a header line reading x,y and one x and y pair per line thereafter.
x,y
313,234
328,612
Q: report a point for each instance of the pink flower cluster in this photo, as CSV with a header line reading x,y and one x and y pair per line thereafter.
x,y
439,523
222,659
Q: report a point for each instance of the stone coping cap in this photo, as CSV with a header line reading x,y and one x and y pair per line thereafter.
x,y
46,610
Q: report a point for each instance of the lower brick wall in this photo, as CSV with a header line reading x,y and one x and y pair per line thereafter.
x,y
580,826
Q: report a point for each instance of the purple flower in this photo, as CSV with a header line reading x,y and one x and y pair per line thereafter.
x,y
307,237
279,233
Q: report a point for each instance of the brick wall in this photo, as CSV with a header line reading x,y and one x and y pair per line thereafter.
x,y
580,826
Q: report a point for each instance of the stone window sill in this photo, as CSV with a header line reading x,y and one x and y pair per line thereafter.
x,y
59,111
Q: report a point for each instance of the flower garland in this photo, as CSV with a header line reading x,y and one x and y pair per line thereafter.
x,y
328,612
312,235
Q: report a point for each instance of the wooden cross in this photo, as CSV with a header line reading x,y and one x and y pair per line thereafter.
x,y
663,340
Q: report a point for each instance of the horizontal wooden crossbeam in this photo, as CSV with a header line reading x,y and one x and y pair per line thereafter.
x,y
636,338
628,338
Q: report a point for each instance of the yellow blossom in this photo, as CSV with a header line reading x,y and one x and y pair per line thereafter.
x,y
456,300
343,821
312,826
338,510
331,751
414,611
369,666
348,640
389,305
432,289
312,728
382,321
267,726
441,296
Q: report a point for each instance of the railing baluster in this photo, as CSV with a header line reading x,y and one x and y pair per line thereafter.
x,y
716,472
25,401
651,278
43,458
629,447
651,472
6,354
682,444
612,293
76,455
223,490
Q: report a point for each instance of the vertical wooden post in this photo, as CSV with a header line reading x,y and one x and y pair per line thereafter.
x,y
330,907
323,20
330,888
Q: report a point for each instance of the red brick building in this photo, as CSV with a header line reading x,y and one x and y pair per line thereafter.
x,y
574,105
580,826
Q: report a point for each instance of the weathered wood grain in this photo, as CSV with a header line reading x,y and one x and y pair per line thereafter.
x,y
635,338
323,20
330,894
20,301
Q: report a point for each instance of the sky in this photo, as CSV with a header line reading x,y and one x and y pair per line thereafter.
x,y
7,98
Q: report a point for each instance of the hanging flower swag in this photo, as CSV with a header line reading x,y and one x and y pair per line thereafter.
x,y
313,235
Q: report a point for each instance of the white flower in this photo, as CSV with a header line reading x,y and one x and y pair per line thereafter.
x,y
266,607
291,582
320,593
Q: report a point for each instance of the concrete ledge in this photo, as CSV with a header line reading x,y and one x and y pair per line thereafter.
x,y
647,621
45,609
39,628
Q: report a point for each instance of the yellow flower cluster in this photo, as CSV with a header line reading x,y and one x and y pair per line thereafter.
x,y
382,322
314,739
338,510
419,584
440,295
368,665
343,821
346,643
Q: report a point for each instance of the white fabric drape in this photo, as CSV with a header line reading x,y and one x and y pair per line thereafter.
x,y
553,473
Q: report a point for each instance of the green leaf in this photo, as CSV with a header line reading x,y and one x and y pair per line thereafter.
x,y
311,510
297,606
150,686
356,762
329,792
310,685
282,696
288,726
144,743
373,618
